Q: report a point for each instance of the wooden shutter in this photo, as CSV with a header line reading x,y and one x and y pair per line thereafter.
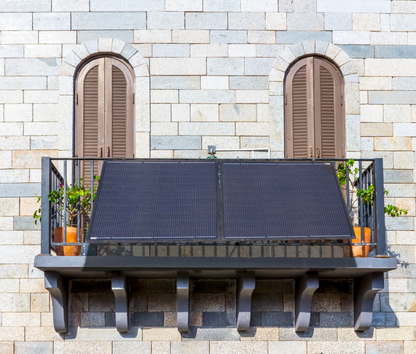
x,y
314,123
104,112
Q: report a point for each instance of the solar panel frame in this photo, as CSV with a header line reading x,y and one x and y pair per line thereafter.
x,y
219,191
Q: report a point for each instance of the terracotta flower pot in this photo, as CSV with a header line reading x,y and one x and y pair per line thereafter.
x,y
71,237
359,251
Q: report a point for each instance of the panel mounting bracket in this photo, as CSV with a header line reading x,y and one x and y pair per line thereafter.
x,y
305,287
246,284
365,290
182,305
119,285
57,286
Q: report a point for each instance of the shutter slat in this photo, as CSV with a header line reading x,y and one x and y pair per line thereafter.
x,y
300,114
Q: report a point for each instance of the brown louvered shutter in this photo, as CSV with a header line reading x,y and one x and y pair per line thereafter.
x,y
314,123
104,114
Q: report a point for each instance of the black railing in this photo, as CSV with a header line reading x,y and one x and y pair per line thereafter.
x,y
63,172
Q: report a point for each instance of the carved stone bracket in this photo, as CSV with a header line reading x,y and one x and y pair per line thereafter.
x,y
305,287
182,291
365,290
120,289
58,288
246,284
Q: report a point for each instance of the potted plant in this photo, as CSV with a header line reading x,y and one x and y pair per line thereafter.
x,y
367,196
78,199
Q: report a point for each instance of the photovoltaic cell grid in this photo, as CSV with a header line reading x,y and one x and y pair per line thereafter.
x,y
155,200
283,200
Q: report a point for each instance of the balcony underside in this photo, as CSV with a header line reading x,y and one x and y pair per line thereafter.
x,y
368,274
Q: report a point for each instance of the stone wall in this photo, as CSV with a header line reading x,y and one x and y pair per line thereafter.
x,y
208,72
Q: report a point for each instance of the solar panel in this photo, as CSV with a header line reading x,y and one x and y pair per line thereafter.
x,y
283,200
145,200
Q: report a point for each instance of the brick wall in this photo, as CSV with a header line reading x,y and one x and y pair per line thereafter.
x,y
212,79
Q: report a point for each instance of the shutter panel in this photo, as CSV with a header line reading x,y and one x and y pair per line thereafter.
x,y
119,113
300,114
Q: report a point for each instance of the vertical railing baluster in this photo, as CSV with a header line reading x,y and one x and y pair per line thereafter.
x,y
65,199
360,203
347,182
46,207
92,184
79,201
379,222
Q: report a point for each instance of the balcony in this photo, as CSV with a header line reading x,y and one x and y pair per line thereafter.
x,y
246,259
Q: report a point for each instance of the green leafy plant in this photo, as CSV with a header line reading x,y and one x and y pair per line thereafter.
x,y
367,195
78,198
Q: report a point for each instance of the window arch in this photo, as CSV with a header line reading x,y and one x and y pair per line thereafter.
x,y
314,110
104,110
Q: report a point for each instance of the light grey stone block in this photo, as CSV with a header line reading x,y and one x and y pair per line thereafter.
x,y
25,6
259,6
175,142
353,142
249,82
225,66
357,6
52,21
337,21
170,50
238,112
206,21
15,21
67,6
22,223
43,142
19,190
33,347
395,51
351,37
228,36
258,66
175,82
403,22
30,67
290,37
178,66
222,5
212,334
86,36
165,20
305,22
189,347
14,143
23,83
11,51
297,5
404,83
358,51
398,176
206,96
246,21
108,21
121,347
392,97
128,51
206,128
127,5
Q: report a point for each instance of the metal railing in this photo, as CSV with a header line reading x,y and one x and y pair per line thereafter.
x,y
64,172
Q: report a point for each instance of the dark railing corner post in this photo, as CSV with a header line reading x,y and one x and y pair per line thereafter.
x,y
379,222
46,207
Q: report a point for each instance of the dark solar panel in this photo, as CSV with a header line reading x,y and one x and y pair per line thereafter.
x,y
283,200
146,200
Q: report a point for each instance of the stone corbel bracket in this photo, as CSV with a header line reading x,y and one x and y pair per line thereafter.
x,y
305,287
57,286
120,289
182,291
246,284
365,290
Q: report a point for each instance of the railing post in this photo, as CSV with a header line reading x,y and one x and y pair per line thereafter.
x,y
46,207
379,223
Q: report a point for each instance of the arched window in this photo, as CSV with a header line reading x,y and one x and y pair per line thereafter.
x,y
314,110
104,111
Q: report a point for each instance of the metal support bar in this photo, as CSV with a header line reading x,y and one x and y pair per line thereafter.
x,y
365,290
380,227
246,285
182,290
305,287
120,289
46,207
58,288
